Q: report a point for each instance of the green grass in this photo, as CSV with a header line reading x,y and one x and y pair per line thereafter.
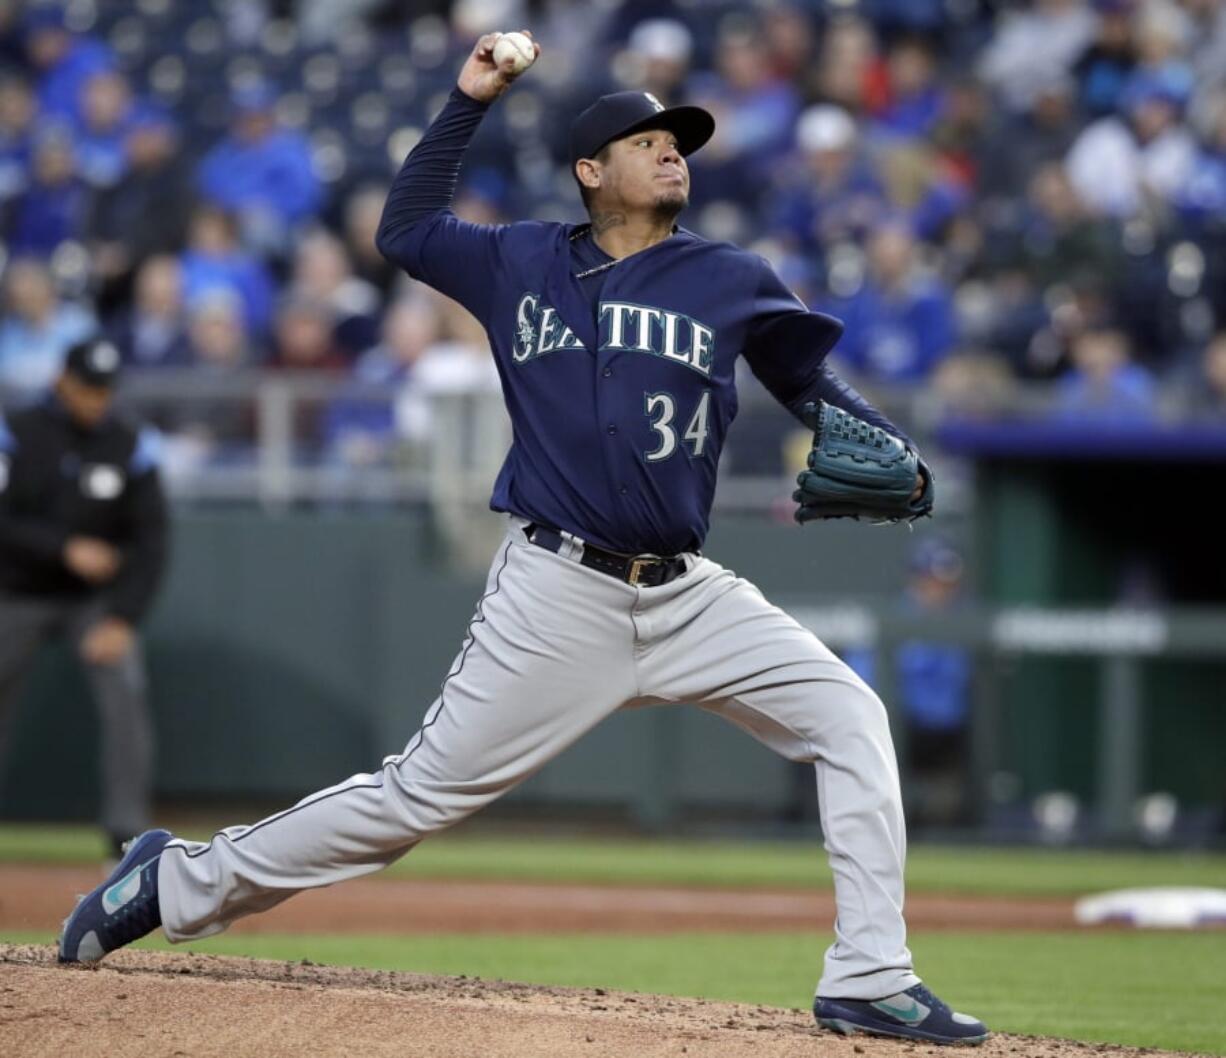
x,y
1146,989
1035,872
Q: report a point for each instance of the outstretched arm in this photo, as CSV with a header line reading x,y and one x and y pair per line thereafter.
x,y
418,230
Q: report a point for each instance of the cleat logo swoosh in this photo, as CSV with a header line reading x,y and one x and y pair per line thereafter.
x,y
909,1012
122,891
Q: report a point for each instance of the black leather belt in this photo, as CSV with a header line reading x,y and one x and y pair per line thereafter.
x,y
638,570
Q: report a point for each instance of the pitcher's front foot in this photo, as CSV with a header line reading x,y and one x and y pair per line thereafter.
x,y
915,1014
122,909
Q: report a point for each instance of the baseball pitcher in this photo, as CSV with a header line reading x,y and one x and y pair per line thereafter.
x,y
616,341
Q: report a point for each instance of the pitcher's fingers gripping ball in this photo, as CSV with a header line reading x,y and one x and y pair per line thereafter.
x,y
514,53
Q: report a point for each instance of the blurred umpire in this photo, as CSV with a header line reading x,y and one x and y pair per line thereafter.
x,y
82,547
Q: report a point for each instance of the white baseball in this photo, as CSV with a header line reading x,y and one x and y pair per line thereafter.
x,y
517,48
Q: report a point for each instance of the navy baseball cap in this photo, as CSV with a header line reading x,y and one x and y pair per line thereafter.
x,y
613,116
96,362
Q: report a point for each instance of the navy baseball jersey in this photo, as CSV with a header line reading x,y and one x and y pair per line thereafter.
x,y
619,375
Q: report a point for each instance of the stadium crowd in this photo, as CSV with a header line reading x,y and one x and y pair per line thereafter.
x,y
986,193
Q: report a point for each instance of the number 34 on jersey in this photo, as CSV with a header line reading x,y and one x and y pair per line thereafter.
x,y
672,336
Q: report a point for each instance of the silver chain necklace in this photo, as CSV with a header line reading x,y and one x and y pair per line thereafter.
x,y
586,229
579,234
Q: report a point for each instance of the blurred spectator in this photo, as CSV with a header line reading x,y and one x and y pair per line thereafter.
x,y
323,273
262,172
363,211
16,124
934,687
899,317
791,40
845,63
63,60
100,138
1022,142
320,20
155,185
974,384
214,258
754,114
36,330
361,431
1162,34
303,337
913,100
206,425
1208,52
1202,200
832,193
1104,384
152,332
217,334
1205,387
303,342
1119,165
1034,46
1104,67
1059,240
962,129
922,187
54,207
934,690
658,53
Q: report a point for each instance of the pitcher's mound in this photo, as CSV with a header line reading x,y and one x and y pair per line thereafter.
x,y
147,1004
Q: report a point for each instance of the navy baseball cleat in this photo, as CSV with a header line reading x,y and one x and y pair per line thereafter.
x,y
915,1014
122,909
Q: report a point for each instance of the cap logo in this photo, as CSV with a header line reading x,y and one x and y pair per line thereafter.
x,y
653,101
104,357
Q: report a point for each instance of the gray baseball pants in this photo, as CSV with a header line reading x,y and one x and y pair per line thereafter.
x,y
552,650
120,693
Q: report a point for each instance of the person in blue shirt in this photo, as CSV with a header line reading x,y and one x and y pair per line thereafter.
x,y
900,320
934,688
215,258
108,112
616,342
36,330
915,99
831,192
16,130
54,207
934,684
262,173
64,60
1104,385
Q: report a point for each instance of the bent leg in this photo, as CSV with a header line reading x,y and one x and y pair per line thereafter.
x,y
546,658
729,650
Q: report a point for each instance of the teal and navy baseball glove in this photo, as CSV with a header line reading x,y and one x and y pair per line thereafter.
x,y
857,470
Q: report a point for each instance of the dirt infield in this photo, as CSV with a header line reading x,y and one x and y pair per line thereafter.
x,y
156,1005
34,898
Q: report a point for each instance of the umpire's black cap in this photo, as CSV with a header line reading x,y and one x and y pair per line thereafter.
x,y
96,362
613,116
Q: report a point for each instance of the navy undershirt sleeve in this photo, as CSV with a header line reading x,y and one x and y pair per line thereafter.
x,y
419,232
